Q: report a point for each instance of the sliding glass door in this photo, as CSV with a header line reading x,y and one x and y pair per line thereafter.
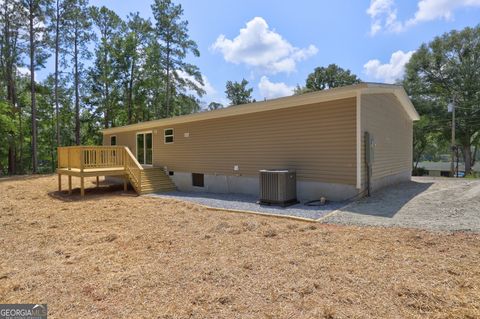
x,y
145,148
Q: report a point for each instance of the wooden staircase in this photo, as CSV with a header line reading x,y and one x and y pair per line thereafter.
x,y
154,180
91,161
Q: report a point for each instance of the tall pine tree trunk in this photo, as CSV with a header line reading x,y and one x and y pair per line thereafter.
x,y
107,88
7,65
57,53
21,138
77,94
11,156
32,90
130,92
167,98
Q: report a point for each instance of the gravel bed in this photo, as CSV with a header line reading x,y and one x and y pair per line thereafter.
x,y
439,204
248,203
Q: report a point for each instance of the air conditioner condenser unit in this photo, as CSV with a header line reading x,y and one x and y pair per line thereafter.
x,y
278,187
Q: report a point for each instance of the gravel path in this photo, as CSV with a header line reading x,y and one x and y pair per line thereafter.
x,y
427,203
248,203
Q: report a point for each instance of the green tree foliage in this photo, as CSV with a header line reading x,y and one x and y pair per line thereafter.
x,y
105,85
214,106
132,59
37,15
58,45
139,72
445,70
8,131
78,34
327,78
173,45
238,93
12,21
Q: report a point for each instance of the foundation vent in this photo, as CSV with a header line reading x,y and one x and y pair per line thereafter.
x,y
278,187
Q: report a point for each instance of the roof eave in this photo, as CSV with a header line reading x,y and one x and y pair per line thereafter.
x,y
280,103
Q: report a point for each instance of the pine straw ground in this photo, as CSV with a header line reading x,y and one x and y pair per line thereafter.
x,y
119,255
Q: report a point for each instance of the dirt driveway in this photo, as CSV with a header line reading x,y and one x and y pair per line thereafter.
x,y
426,203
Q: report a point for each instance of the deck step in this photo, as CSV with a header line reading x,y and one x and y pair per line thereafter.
x,y
154,180
158,190
164,178
149,185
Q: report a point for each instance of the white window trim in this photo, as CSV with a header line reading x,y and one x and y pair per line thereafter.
x,y
136,145
116,140
173,136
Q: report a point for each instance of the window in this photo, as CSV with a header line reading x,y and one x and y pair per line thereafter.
x,y
171,173
197,180
168,133
113,140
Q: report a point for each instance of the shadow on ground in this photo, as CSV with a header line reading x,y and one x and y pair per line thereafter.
x,y
94,193
388,201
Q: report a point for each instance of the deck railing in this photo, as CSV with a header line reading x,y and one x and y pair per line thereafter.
x,y
101,157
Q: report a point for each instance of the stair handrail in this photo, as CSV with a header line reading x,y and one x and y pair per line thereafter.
x,y
133,170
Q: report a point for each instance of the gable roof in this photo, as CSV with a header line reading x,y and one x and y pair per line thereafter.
x,y
280,103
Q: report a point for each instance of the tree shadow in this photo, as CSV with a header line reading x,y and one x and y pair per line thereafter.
x,y
388,201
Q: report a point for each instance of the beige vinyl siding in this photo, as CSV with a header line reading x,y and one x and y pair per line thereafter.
x,y
317,140
392,130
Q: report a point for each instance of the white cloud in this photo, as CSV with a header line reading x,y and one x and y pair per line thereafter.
x,y
384,13
23,71
271,90
388,72
429,10
384,16
260,47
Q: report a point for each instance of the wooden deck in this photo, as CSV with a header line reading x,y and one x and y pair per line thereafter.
x,y
96,161
108,171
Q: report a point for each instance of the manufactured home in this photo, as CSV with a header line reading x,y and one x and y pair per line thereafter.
x,y
340,142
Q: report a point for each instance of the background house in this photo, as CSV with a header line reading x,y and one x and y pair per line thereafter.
x,y
443,168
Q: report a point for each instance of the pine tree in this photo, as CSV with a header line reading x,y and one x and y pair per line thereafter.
x,y
103,74
78,34
12,16
171,32
37,11
57,25
134,44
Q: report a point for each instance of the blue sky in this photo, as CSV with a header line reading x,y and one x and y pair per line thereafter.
x,y
283,41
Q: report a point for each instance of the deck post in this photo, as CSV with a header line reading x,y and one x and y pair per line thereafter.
x,y
82,186
82,159
125,185
98,181
68,159
59,182
124,155
69,184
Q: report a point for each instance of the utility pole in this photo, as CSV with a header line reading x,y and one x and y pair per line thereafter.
x,y
451,108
